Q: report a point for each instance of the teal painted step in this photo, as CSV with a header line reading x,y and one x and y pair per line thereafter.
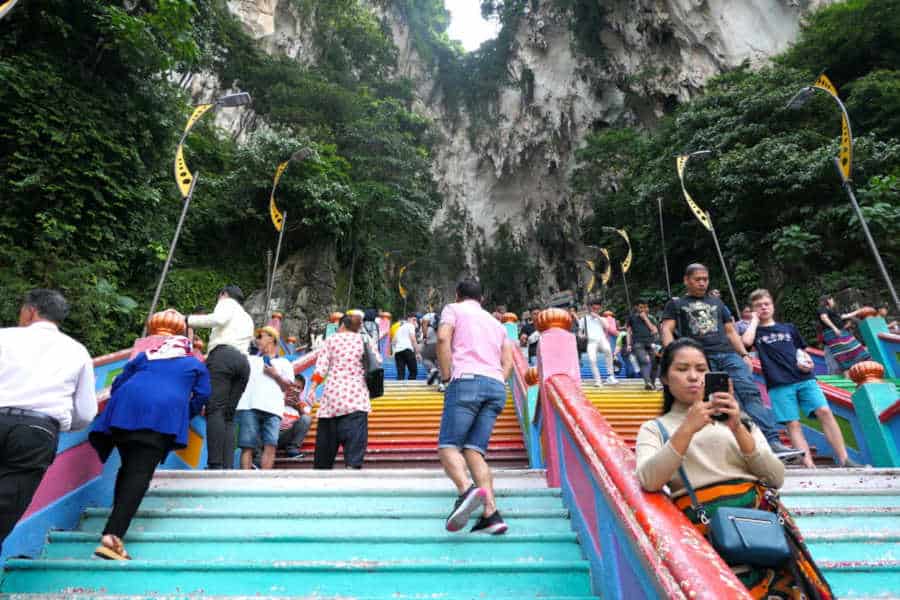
x,y
187,521
823,500
858,548
323,503
392,596
212,547
287,577
843,523
869,581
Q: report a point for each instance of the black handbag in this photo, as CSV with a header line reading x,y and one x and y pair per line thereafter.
x,y
741,536
581,337
373,371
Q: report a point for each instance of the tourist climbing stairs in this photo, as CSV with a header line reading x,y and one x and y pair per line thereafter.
x,y
367,535
403,432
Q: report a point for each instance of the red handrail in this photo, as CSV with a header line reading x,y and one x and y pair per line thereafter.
x,y
306,361
667,540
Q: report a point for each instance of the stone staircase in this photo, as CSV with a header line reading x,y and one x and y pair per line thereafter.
x,y
625,405
851,521
403,432
312,534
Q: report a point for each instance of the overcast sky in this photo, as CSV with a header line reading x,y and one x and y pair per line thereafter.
x,y
466,24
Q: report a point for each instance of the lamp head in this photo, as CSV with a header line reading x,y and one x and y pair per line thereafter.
x,y
701,154
239,99
302,154
800,98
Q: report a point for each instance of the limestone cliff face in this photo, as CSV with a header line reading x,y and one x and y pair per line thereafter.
x,y
656,54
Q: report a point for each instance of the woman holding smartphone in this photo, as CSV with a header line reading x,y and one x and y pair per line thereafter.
x,y
726,458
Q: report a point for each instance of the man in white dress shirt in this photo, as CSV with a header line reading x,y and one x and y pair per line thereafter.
x,y
229,342
46,386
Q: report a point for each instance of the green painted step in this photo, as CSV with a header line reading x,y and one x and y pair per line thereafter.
x,y
212,547
515,579
349,503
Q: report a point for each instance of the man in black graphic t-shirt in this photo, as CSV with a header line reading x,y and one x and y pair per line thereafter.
x,y
707,320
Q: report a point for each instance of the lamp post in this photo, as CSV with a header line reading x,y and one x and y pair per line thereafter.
x,y
705,218
279,219
7,6
625,264
403,291
186,182
844,165
662,237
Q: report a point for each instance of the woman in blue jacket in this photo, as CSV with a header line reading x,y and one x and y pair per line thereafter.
x,y
147,415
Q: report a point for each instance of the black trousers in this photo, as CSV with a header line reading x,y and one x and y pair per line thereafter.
x,y
350,431
228,375
141,451
27,448
406,359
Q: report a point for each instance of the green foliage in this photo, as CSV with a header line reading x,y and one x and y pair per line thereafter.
x,y
92,115
507,270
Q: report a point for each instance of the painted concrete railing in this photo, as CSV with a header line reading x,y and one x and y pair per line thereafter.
x,y
639,545
77,479
523,383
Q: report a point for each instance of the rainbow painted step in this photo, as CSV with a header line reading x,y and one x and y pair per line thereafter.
x,y
314,534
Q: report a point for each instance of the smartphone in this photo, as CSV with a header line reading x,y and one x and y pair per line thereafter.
x,y
716,381
267,360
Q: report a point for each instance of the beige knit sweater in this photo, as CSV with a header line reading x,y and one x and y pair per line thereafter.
x,y
713,456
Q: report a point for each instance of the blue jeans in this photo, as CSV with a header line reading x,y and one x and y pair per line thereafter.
x,y
255,424
471,406
746,391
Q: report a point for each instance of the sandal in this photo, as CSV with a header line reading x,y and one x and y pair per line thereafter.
x,y
111,548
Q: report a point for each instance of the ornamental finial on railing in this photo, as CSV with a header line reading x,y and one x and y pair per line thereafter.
x,y
335,317
167,322
553,318
509,318
867,371
531,376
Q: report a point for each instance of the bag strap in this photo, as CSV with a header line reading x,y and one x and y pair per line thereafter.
x,y
699,509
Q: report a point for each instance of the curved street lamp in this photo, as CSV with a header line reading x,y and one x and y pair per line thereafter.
x,y
844,165
7,6
279,218
705,218
625,264
186,182
402,290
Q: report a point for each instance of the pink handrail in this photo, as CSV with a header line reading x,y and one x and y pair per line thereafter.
x,y
665,537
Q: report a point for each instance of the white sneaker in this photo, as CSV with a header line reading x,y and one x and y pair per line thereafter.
x,y
598,383
611,380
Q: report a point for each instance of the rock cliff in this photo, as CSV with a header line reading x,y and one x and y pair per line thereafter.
x,y
654,55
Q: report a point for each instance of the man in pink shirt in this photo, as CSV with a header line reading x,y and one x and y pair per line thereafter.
x,y
475,359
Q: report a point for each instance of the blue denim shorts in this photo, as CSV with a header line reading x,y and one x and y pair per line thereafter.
x,y
255,423
786,399
471,406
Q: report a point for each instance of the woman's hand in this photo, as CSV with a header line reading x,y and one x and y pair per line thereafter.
x,y
724,403
699,415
